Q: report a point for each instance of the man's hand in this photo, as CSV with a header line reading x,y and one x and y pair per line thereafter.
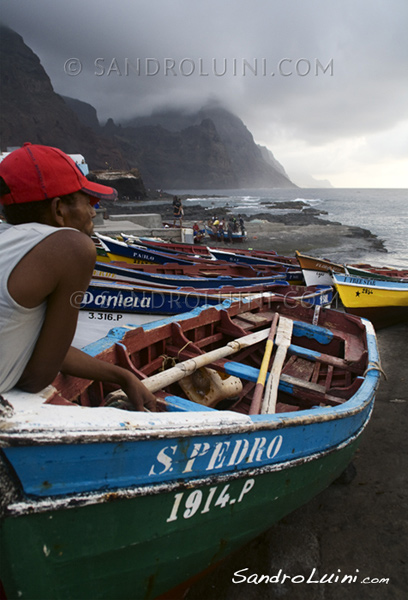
x,y
137,393
80,364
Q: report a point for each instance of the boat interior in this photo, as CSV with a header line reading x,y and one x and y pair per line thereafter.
x,y
324,364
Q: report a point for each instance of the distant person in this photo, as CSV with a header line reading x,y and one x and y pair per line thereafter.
x,y
46,261
230,229
178,211
215,225
241,224
198,233
220,230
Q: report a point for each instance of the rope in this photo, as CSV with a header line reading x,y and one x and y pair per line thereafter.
x,y
167,362
181,349
375,366
171,361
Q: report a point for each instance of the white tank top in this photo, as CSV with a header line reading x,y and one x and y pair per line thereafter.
x,y
19,326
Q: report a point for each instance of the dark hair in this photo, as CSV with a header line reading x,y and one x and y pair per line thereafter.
x,y
27,212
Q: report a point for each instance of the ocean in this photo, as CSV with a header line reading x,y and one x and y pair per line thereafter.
x,y
384,212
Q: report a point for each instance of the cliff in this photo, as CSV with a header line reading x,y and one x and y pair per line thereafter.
x,y
214,146
210,148
32,112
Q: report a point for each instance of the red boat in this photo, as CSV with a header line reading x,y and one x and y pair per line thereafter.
x,y
205,251
206,269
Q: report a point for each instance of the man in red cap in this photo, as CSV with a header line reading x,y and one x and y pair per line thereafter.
x,y
46,259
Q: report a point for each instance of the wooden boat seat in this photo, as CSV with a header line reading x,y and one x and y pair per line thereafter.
x,y
248,320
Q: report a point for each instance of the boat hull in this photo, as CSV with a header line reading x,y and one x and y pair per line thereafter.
x,y
112,271
120,251
225,236
109,503
113,305
290,272
382,302
318,270
317,277
140,544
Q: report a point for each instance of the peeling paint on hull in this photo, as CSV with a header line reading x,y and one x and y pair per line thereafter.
x,y
140,546
108,503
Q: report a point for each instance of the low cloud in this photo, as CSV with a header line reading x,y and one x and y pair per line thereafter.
x,y
314,73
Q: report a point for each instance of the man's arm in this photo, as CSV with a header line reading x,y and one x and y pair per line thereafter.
x,y
82,365
57,271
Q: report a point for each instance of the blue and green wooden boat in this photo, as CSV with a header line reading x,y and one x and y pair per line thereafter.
x,y
103,502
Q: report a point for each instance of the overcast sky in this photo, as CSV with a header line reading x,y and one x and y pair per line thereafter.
x,y
323,84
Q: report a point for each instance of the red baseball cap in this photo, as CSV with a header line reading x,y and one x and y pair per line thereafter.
x,y
33,173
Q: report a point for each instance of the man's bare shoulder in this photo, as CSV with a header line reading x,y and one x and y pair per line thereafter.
x,y
68,244
63,259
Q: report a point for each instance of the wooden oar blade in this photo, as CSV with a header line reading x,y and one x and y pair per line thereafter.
x,y
260,384
282,341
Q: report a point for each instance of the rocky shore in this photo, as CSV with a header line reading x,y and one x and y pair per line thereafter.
x,y
299,228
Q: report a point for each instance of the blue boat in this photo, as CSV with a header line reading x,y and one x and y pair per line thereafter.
x,y
138,254
108,303
115,272
247,259
224,236
95,485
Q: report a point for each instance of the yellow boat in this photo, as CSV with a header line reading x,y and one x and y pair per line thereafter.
x,y
382,302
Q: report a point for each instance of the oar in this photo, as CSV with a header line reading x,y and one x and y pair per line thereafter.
x,y
260,384
283,337
187,367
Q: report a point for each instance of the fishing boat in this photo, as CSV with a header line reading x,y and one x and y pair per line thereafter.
x,y
107,304
251,256
294,274
384,302
110,249
382,273
206,269
174,280
197,251
261,406
167,246
194,275
319,270
225,236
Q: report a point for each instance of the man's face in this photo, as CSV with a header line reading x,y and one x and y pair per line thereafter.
x,y
79,213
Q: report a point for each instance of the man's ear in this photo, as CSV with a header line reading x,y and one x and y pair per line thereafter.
x,y
58,212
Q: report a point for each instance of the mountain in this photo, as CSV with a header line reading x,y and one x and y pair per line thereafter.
x,y
210,148
32,112
304,180
269,158
191,158
85,112
217,149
